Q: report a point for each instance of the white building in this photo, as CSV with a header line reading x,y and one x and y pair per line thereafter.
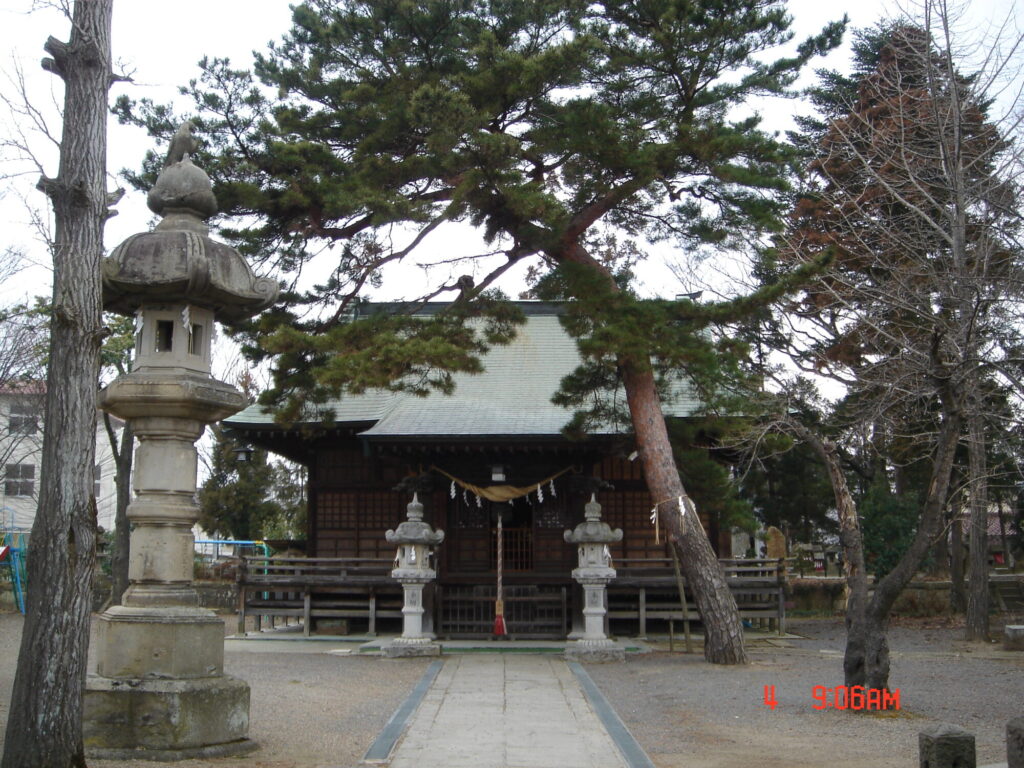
x,y
21,443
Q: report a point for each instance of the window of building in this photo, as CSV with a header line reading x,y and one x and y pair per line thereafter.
x,y
24,419
20,480
97,476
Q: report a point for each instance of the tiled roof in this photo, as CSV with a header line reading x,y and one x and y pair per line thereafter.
x,y
512,397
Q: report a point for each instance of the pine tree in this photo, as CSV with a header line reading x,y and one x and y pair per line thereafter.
x,y
546,126
243,499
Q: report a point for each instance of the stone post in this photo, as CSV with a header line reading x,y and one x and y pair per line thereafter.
x,y
159,691
1013,637
415,539
947,746
1015,743
594,572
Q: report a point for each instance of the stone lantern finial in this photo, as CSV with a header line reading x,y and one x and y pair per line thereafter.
x,y
183,144
592,510
178,263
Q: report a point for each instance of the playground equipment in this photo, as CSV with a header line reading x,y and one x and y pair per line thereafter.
x,y
13,549
239,547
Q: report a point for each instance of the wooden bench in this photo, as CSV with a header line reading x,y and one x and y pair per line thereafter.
x,y
317,588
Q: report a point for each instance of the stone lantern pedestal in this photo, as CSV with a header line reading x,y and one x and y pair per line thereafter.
x,y
160,692
415,539
594,572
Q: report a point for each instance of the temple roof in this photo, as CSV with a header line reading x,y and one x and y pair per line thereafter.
x,y
510,398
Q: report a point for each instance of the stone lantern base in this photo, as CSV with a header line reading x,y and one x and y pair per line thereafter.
x,y
161,693
166,720
136,642
402,647
594,651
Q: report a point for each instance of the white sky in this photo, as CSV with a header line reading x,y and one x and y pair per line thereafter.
x,y
160,43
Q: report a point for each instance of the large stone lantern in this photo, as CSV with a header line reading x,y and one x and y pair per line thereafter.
x,y
593,573
415,539
159,691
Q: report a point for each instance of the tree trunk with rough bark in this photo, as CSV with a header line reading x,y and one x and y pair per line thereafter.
x,y
977,595
723,631
858,629
866,659
44,728
940,551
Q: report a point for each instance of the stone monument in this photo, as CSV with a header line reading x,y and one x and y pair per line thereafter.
x,y
160,691
415,539
775,543
594,572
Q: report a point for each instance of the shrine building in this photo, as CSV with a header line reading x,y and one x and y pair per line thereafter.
x,y
493,447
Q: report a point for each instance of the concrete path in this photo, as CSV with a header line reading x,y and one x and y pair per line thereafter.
x,y
507,711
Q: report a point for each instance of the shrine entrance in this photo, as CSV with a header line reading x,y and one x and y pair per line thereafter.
x,y
536,567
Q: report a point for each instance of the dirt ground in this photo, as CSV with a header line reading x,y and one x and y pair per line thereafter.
x,y
310,708
686,713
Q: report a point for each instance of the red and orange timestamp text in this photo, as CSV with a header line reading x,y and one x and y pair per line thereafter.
x,y
855,697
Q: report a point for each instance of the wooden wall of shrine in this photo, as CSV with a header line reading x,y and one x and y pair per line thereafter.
x,y
352,504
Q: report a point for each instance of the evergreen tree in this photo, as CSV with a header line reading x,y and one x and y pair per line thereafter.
x,y
251,499
705,471
791,491
544,124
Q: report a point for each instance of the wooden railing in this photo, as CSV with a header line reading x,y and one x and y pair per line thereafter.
x,y
647,589
316,587
362,588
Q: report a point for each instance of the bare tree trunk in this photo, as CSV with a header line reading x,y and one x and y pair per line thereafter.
x,y
866,660
44,728
723,632
876,658
977,595
857,624
941,550
1007,554
957,591
123,451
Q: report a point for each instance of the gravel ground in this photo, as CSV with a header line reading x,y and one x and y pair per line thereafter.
x,y
307,709
688,713
313,709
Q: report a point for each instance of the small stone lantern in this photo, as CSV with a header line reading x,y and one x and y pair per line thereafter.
x,y
415,539
594,572
160,692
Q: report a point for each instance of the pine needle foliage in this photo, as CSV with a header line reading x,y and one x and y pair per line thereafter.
x,y
544,124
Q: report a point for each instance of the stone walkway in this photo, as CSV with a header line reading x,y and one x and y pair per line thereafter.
x,y
508,711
